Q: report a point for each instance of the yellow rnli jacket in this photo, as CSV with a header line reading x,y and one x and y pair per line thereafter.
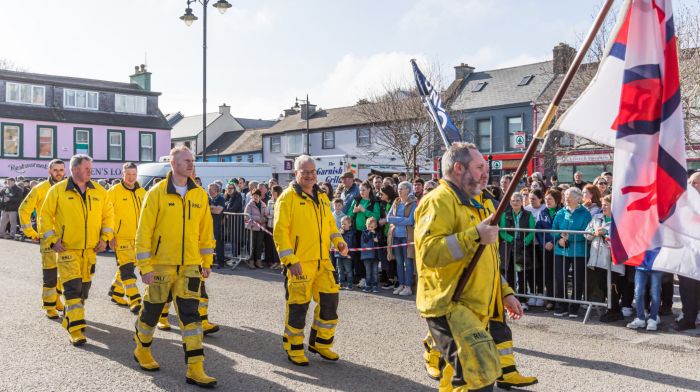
x,y
33,202
80,221
174,230
446,239
304,226
127,208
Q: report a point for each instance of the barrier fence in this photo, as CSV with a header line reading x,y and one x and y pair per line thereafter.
x,y
530,263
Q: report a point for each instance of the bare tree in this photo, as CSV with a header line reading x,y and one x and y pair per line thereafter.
x,y
687,20
11,66
397,115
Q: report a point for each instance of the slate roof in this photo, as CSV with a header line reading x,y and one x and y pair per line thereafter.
x,y
43,113
502,86
190,126
250,123
68,81
322,119
237,142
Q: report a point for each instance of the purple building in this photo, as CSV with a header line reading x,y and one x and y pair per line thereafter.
x,y
43,117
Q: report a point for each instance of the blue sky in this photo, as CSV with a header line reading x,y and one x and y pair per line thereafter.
x,y
264,53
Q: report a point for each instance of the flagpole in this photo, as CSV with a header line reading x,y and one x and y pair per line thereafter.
x,y
537,138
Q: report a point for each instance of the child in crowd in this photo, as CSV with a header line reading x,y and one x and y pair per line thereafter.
x,y
345,263
338,214
370,258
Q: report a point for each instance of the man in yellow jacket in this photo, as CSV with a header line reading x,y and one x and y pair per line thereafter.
x,y
174,251
303,233
126,197
499,330
51,291
76,221
450,225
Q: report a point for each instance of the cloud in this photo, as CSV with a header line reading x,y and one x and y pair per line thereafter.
x,y
428,14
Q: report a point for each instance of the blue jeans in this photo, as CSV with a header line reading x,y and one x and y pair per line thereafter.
x,y
371,270
641,277
344,271
404,265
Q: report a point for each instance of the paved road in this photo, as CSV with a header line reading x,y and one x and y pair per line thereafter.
x,y
379,339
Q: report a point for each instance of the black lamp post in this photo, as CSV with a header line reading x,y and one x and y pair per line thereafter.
x,y
306,108
189,18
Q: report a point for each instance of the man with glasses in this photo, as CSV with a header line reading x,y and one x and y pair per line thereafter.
x,y
303,232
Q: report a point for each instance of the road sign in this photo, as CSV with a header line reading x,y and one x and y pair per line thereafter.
x,y
520,140
496,165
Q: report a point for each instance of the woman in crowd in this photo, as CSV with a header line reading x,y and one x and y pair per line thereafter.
x,y
600,260
233,224
535,278
552,201
516,246
570,251
602,184
361,209
257,211
525,193
272,259
388,264
591,199
401,232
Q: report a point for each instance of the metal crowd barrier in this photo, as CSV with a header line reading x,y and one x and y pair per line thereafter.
x,y
237,239
535,272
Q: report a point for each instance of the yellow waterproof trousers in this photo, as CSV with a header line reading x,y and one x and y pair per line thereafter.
x,y
182,284
469,353
125,278
75,271
202,309
51,290
317,283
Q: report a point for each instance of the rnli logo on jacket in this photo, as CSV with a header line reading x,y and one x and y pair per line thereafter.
x,y
196,205
159,278
171,204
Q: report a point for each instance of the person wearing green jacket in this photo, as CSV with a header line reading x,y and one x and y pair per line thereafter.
x,y
360,210
515,248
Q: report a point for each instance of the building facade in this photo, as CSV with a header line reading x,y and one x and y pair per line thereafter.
x,y
43,117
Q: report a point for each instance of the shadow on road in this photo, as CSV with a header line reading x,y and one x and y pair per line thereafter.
x,y
618,369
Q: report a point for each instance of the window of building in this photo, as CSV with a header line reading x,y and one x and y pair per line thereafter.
x,y
483,135
479,86
526,80
239,158
130,104
275,143
11,140
82,141
251,158
364,137
80,99
295,143
25,93
147,145
328,140
115,151
566,140
46,142
515,124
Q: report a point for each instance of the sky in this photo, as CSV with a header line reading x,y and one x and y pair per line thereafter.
x,y
262,54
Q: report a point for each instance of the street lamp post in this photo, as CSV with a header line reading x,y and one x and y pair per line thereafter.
x,y
188,18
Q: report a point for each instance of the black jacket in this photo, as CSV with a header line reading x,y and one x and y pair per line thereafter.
x,y
234,204
15,195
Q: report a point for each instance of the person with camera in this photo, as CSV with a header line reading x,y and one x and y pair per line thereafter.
x,y
570,250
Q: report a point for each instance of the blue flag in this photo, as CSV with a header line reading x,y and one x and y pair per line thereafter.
x,y
433,102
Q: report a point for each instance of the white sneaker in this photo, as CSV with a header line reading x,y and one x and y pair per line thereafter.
x,y
627,312
680,317
406,291
651,325
637,323
362,283
398,289
524,305
531,301
539,302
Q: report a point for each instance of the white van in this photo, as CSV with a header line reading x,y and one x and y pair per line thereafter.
x,y
208,172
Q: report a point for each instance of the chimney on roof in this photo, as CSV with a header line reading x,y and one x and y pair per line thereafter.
x,y
562,57
141,77
290,112
225,109
463,71
307,110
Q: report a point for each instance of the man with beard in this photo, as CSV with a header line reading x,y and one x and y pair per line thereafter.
x,y
51,292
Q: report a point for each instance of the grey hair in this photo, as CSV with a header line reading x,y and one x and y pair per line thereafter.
x,y
216,184
457,152
253,184
518,196
575,192
405,185
302,159
77,159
